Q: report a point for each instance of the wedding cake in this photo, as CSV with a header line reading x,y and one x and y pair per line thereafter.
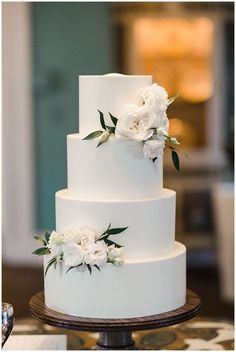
x,y
113,253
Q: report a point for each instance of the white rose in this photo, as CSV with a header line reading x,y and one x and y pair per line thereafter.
x,y
156,99
73,254
71,234
97,255
153,148
155,96
115,255
135,122
55,244
88,238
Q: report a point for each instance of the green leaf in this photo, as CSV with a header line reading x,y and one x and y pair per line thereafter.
x,y
41,251
93,135
115,231
104,233
89,268
179,150
114,119
102,121
104,138
47,236
111,129
154,159
109,232
110,243
175,159
73,267
40,240
96,266
50,263
172,99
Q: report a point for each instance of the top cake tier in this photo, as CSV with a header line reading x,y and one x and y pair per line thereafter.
x,y
108,93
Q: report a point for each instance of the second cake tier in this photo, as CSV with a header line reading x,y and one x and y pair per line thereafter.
x,y
151,222
116,170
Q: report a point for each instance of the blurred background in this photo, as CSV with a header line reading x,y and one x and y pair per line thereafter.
x,y
189,49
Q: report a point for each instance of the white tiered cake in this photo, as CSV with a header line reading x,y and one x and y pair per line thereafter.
x,y
116,184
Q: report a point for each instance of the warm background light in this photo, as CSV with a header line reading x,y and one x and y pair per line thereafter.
x,y
178,51
183,130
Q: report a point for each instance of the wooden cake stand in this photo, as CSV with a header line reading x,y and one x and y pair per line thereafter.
x,y
115,334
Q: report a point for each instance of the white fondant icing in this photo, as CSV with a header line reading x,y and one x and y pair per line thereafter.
x,y
114,183
116,170
132,290
108,93
151,222
113,74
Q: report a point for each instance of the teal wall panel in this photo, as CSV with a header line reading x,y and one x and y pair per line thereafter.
x,y
68,39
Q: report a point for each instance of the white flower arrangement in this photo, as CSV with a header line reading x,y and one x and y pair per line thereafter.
x,y
81,248
147,123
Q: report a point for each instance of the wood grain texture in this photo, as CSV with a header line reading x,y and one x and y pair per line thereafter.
x,y
41,312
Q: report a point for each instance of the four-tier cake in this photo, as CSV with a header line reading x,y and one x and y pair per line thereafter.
x,y
114,183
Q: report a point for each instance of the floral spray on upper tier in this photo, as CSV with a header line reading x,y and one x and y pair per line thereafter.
x,y
147,123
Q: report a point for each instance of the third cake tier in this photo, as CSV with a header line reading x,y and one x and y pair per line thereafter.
x,y
151,222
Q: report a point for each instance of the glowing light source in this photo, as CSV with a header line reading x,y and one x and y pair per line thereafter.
x,y
178,52
183,130
176,126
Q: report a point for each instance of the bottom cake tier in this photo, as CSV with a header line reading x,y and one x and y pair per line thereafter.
x,y
134,289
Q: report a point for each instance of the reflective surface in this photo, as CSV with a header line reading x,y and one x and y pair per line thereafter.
x,y
7,321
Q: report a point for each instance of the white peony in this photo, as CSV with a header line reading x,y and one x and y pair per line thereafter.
x,y
72,234
88,238
164,121
55,244
96,254
155,96
73,254
156,99
115,255
153,148
135,122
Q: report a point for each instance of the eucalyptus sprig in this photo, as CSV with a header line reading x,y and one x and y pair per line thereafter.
x,y
106,131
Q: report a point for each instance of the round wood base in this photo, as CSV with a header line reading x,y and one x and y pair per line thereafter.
x,y
115,333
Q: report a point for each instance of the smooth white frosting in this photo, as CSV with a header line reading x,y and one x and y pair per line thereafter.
x,y
132,290
108,93
116,170
151,222
114,183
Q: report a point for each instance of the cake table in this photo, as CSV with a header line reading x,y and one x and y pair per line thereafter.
x,y
115,334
